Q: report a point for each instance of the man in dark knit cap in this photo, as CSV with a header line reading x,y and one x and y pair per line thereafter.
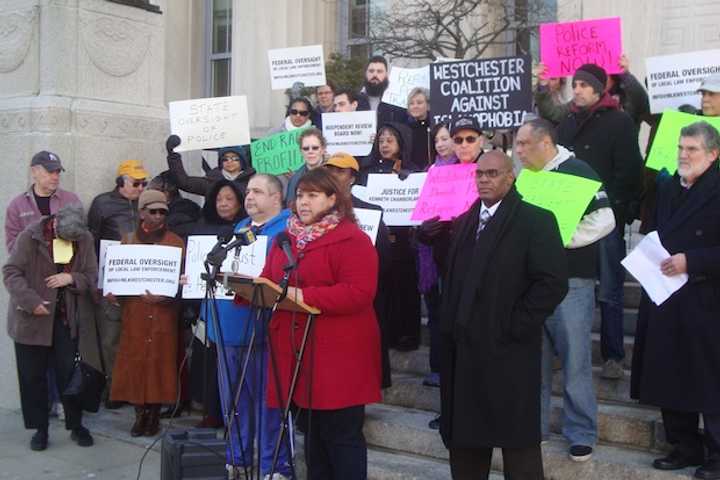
x,y
598,132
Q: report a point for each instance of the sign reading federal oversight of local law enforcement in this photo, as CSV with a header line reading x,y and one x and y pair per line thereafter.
x,y
135,269
210,122
496,91
298,64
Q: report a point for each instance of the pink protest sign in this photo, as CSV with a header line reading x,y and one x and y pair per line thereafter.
x,y
566,46
448,192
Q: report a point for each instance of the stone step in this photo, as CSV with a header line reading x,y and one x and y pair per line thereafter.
x,y
630,425
406,430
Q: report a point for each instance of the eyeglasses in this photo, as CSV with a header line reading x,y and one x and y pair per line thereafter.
x,y
469,139
492,173
302,113
139,184
157,211
314,148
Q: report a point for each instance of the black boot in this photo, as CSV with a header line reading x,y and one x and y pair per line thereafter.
x,y
710,469
39,441
140,421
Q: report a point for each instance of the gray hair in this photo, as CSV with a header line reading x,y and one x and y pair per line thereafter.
x,y
710,135
419,91
70,222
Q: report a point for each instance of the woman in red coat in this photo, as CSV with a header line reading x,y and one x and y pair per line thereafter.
x,y
340,372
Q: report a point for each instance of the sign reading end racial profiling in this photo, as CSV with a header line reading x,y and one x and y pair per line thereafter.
x,y
134,269
496,91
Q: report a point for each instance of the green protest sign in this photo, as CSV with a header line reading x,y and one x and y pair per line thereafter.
x,y
664,150
567,196
277,154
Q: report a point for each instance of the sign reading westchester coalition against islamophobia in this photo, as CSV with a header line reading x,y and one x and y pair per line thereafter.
x,y
278,153
496,91
566,196
133,269
664,149
566,46
299,64
210,122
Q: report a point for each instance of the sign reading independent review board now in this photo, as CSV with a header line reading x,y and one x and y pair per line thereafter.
x,y
210,122
298,64
496,91
673,80
349,132
133,269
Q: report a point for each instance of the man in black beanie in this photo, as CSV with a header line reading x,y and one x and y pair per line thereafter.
x,y
605,137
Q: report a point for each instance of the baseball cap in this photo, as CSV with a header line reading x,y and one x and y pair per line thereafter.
x,y
711,83
343,160
465,123
48,160
152,199
133,169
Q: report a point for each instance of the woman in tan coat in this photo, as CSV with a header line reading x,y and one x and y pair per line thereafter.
x,y
145,371
49,276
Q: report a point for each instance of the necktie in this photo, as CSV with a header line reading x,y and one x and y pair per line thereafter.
x,y
484,219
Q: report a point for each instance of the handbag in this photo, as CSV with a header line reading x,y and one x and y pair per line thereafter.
x,y
87,383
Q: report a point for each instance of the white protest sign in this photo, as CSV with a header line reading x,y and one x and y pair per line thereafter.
x,y
369,221
250,262
402,81
298,64
210,122
101,259
133,269
396,197
351,132
673,80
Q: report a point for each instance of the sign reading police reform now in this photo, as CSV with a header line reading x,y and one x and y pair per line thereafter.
x,y
497,91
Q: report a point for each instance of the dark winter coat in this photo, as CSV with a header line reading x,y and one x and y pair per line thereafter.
x,y
676,360
374,163
421,151
200,185
498,292
607,139
386,112
111,216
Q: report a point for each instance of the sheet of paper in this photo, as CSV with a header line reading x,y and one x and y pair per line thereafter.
x,y
643,263
62,251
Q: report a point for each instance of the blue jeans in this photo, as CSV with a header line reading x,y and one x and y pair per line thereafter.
x,y
251,411
612,277
567,333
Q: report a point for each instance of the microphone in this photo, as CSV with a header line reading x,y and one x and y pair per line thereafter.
x,y
243,236
283,240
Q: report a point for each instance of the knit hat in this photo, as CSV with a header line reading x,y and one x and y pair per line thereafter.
x,y
593,75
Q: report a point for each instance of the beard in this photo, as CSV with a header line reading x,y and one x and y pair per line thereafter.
x,y
376,89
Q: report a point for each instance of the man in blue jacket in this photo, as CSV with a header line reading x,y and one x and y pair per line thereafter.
x,y
263,203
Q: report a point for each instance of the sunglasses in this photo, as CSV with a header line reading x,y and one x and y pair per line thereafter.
x,y
469,139
157,211
302,113
228,159
492,173
314,148
139,184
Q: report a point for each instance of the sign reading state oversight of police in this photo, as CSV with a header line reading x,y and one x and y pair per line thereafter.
x,y
496,91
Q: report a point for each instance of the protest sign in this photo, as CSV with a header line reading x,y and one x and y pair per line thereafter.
x,y
448,192
402,81
101,259
133,269
210,122
396,197
673,80
497,91
249,262
277,154
664,149
299,64
351,132
566,196
566,46
369,221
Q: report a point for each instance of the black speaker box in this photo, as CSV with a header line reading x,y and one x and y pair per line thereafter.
x,y
193,454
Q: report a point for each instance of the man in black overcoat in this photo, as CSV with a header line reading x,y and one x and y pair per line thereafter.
x,y
506,273
676,361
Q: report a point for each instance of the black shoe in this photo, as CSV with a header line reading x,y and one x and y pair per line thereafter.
x,y
580,453
82,437
676,460
710,469
111,405
39,441
434,423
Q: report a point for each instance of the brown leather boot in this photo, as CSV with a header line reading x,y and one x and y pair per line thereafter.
x,y
152,426
140,421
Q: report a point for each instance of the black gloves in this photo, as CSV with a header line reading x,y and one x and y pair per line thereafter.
x,y
403,173
172,142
